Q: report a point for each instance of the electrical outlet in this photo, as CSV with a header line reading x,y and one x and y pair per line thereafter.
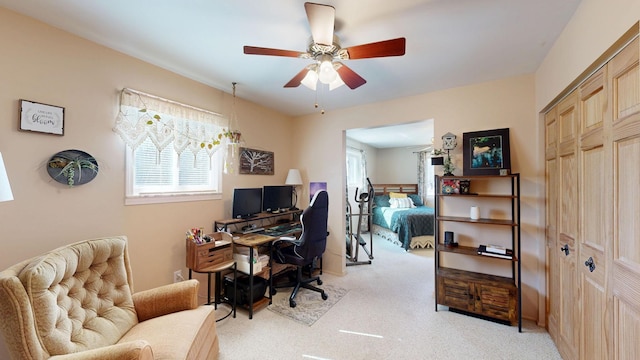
x,y
177,276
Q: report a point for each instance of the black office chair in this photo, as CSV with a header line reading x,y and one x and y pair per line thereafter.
x,y
310,246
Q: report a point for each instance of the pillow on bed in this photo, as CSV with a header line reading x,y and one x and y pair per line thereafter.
x,y
401,203
417,201
381,200
395,195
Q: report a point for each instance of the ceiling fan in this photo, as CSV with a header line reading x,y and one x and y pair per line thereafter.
x,y
325,49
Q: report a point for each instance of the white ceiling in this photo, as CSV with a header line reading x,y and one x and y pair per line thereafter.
x,y
450,43
402,135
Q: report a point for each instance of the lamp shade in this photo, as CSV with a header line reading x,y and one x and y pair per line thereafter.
x,y
310,80
5,187
438,160
293,178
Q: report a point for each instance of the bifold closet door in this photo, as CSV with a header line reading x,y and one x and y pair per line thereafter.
x,y
624,80
569,313
595,216
592,156
551,231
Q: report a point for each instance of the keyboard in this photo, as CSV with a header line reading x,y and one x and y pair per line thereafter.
x,y
249,231
283,229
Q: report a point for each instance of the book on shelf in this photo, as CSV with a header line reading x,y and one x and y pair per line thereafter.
x,y
496,249
483,250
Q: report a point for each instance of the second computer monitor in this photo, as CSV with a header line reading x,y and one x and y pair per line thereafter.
x,y
277,198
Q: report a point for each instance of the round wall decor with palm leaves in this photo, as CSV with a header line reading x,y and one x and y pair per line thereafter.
x,y
72,167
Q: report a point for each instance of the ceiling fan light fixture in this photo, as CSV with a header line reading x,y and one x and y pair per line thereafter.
x,y
336,83
324,47
310,80
327,73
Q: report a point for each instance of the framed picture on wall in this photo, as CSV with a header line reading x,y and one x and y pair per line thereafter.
x,y
316,186
486,152
42,118
256,162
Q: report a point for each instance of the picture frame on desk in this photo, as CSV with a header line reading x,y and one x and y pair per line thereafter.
x,y
486,152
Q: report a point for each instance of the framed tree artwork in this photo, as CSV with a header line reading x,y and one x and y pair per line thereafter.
x,y
256,162
486,152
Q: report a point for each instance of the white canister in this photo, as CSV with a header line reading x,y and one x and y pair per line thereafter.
x,y
474,214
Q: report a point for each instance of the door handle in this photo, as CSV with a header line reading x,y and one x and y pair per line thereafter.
x,y
590,264
565,248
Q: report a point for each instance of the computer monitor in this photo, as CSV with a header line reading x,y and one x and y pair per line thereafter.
x,y
247,202
277,197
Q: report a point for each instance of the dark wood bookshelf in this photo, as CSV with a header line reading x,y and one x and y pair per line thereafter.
x,y
483,294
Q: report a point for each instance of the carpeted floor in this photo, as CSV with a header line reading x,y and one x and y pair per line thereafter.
x,y
309,304
388,313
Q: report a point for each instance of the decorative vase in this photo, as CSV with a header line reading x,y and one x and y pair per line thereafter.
x,y
474,214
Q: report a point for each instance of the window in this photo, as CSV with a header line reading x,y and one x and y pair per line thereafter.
x,y
356,168
431,189
166,177
173,150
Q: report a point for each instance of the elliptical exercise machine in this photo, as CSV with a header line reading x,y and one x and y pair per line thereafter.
x,y
355,240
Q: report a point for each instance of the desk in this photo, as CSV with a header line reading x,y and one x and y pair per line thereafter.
x,y
259,239
223,225
253,241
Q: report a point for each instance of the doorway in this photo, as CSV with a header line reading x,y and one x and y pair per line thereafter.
x,y
382,155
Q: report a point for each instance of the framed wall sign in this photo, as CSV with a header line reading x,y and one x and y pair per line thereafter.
x,y
256,162
316,186
486,152
42,118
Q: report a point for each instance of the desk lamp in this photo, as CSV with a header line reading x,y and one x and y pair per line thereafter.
x,y
5,187
294,178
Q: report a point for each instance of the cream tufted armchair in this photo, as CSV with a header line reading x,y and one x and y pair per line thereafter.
x,y
77,302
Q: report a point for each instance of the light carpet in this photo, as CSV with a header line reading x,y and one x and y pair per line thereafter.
x,y
310,306
388,314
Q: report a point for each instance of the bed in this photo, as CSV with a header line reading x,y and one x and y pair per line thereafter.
x,y
410,228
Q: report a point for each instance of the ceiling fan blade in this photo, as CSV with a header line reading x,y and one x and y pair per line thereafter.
x,y
321,21
295,82
349,76
393,47
253,50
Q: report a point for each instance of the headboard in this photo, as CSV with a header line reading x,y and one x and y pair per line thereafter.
x,y
383,189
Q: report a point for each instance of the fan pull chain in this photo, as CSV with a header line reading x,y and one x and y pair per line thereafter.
x,y
316,105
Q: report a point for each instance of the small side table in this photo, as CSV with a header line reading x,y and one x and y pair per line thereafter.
x,y
218,271
213,257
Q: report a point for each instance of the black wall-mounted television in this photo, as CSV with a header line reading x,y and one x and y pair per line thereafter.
x,y
247,202
277,197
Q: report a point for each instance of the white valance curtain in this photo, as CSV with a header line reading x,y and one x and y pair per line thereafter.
x,y
166,122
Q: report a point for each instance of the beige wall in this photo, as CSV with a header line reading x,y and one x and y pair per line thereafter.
x,y
44,64
397,165
594,27
504,103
